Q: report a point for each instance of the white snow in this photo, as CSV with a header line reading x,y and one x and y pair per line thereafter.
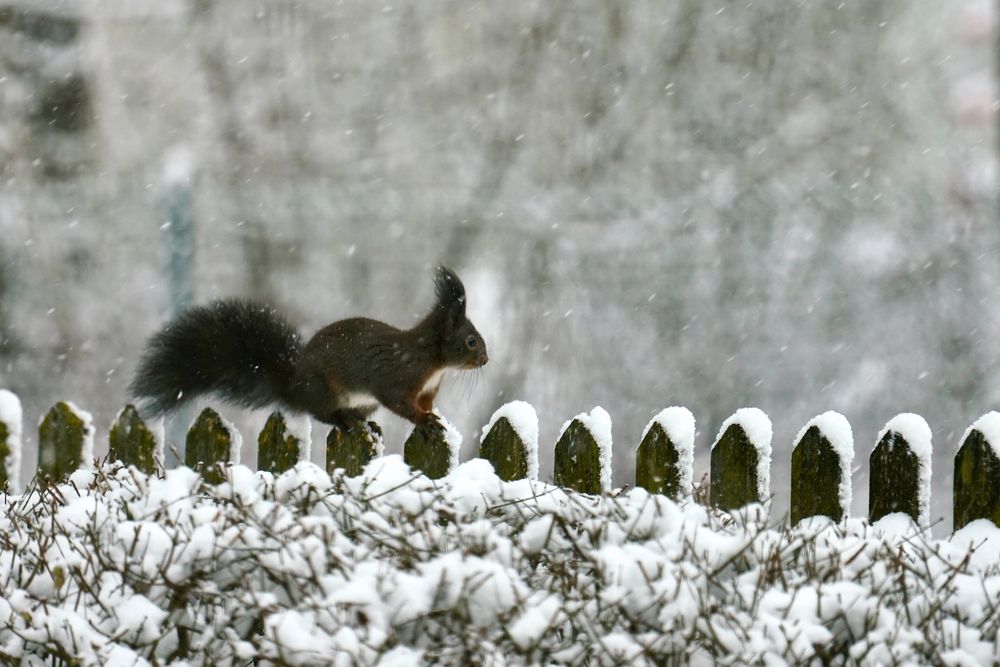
x,y
914,429
837,430
757,427
391,568
989,426
679,425
454,440
10,416
598,423
524,420
178,166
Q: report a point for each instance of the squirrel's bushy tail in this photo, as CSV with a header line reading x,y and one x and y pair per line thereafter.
x,y
242,351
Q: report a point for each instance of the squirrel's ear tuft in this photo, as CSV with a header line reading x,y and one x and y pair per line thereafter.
x,y
449,288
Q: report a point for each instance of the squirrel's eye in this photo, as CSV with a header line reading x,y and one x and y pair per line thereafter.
x,y
470,342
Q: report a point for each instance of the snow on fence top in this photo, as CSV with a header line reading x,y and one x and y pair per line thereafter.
x,y
835,428
584,444
598,424
977,489
679,426
893,470
757,427
524,420
989,426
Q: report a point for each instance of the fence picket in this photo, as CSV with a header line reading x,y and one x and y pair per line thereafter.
x,y
733,471
578,460
10,440
277,448
65,440
504,448
899,475
657,464
132,442
428,451
353,449
816,478
209,446
977,473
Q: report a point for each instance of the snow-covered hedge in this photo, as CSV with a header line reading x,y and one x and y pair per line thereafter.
x,y
390,568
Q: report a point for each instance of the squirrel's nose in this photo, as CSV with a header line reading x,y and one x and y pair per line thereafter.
x,y
483,358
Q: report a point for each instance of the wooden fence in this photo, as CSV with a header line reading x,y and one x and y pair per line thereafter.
x,y
820,471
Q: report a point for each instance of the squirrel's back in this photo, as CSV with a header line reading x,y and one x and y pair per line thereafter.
x,y
243,351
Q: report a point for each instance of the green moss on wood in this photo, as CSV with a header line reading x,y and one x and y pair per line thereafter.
x,y
131,442
578,460
353,449
816,474
977,482
277,449
504,448
894,478
60,442
656,464
208,445
4,454
427,451
734,470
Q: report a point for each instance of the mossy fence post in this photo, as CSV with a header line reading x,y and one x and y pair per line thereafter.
x,y
427,450
354,448
733,472
209,446
657,463
278,449
505,450
6,448
64,436
894,478
977,475
577,462
10,440
132,442
816,478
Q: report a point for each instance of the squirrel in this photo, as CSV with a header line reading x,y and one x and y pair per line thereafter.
x,y
247,353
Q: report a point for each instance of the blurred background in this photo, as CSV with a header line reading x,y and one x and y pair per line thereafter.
x,y
715,204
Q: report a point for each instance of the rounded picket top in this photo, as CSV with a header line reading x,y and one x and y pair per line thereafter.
x,y
821,468
353,449
664,460
433,449
134,443
510,441
900,470
583,453
65,440
212,442
977,473
741,460
10,440
279,447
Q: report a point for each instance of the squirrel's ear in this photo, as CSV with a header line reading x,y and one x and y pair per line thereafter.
x,y
450,290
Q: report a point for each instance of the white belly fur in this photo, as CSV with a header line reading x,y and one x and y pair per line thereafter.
x,y
357,399
433,382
